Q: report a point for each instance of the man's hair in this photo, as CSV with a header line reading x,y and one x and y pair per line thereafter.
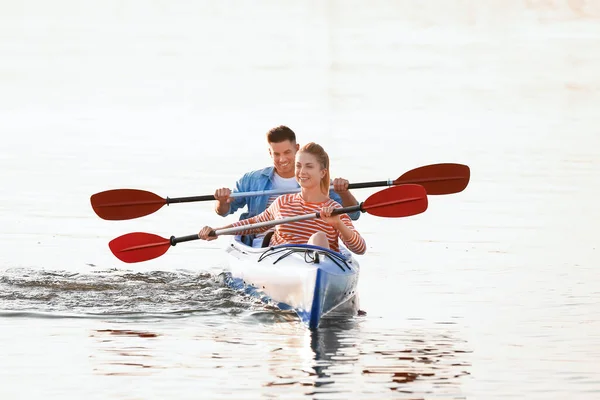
x,y
280,134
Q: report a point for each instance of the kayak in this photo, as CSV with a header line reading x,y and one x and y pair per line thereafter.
x,y
312,281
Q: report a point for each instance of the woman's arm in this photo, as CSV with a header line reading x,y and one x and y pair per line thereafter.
x,y
267,215
346,231
350,236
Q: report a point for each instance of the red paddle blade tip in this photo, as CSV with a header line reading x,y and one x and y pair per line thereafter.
x,y
438,179
123,204
139,246
397,201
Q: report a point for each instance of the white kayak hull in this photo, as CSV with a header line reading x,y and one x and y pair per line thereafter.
x,y
313,281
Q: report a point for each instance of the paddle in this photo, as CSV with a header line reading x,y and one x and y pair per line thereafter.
x,y
122,204
394,202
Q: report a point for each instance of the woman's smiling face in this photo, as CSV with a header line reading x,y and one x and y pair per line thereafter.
x,y
308,170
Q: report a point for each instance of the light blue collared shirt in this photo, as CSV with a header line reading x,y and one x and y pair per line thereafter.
x,y
260,180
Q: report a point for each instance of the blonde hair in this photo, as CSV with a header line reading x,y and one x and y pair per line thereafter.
x,y
323,160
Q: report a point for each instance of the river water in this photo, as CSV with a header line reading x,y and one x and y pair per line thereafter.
x,y
491,293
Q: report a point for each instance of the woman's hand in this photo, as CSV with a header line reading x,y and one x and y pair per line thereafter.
x,y
326,216
204,233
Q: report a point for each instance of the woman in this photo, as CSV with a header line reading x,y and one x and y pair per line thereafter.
x,y
312,173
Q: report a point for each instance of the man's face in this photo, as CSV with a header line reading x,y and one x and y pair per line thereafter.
x,y
283,155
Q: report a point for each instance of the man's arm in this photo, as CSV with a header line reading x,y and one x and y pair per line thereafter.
x,y
348,198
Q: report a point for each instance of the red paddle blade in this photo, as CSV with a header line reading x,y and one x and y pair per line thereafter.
x,y
121,204
445,178
139,246
397,201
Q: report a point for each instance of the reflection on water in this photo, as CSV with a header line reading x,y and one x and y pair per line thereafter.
x,y
341,359
395,360
241,345
347,358
127,332
126,361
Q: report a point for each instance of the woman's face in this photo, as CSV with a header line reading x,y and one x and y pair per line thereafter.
x,y
308,170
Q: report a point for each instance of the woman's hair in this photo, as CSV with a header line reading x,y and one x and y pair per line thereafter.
x,y
323,159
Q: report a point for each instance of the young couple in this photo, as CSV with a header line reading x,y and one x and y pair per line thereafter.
x,y
307,167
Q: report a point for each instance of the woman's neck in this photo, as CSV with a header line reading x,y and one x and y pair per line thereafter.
x,y
313,195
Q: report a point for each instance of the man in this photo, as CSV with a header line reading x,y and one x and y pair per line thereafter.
x,y
282,149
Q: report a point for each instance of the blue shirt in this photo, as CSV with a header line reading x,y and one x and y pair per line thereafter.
x,y
260,180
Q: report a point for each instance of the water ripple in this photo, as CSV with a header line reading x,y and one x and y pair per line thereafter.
x,y
127,295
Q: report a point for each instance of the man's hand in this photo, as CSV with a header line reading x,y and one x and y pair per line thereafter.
x,y
222,195
340,185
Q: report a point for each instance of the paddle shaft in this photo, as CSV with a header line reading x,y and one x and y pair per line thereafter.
x,y
344,210
174,240
210,197
401,181
362,207
275,192
226,231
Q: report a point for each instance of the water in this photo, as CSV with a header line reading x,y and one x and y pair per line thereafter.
x,y
491,293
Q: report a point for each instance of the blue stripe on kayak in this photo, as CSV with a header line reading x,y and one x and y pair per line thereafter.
x,y
317,304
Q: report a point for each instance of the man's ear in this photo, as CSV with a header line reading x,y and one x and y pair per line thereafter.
x,y
297,146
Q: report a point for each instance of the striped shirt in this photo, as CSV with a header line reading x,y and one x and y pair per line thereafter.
x,y
298,232
278,183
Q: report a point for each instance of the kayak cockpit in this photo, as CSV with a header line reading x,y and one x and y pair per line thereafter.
x,y
312,254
